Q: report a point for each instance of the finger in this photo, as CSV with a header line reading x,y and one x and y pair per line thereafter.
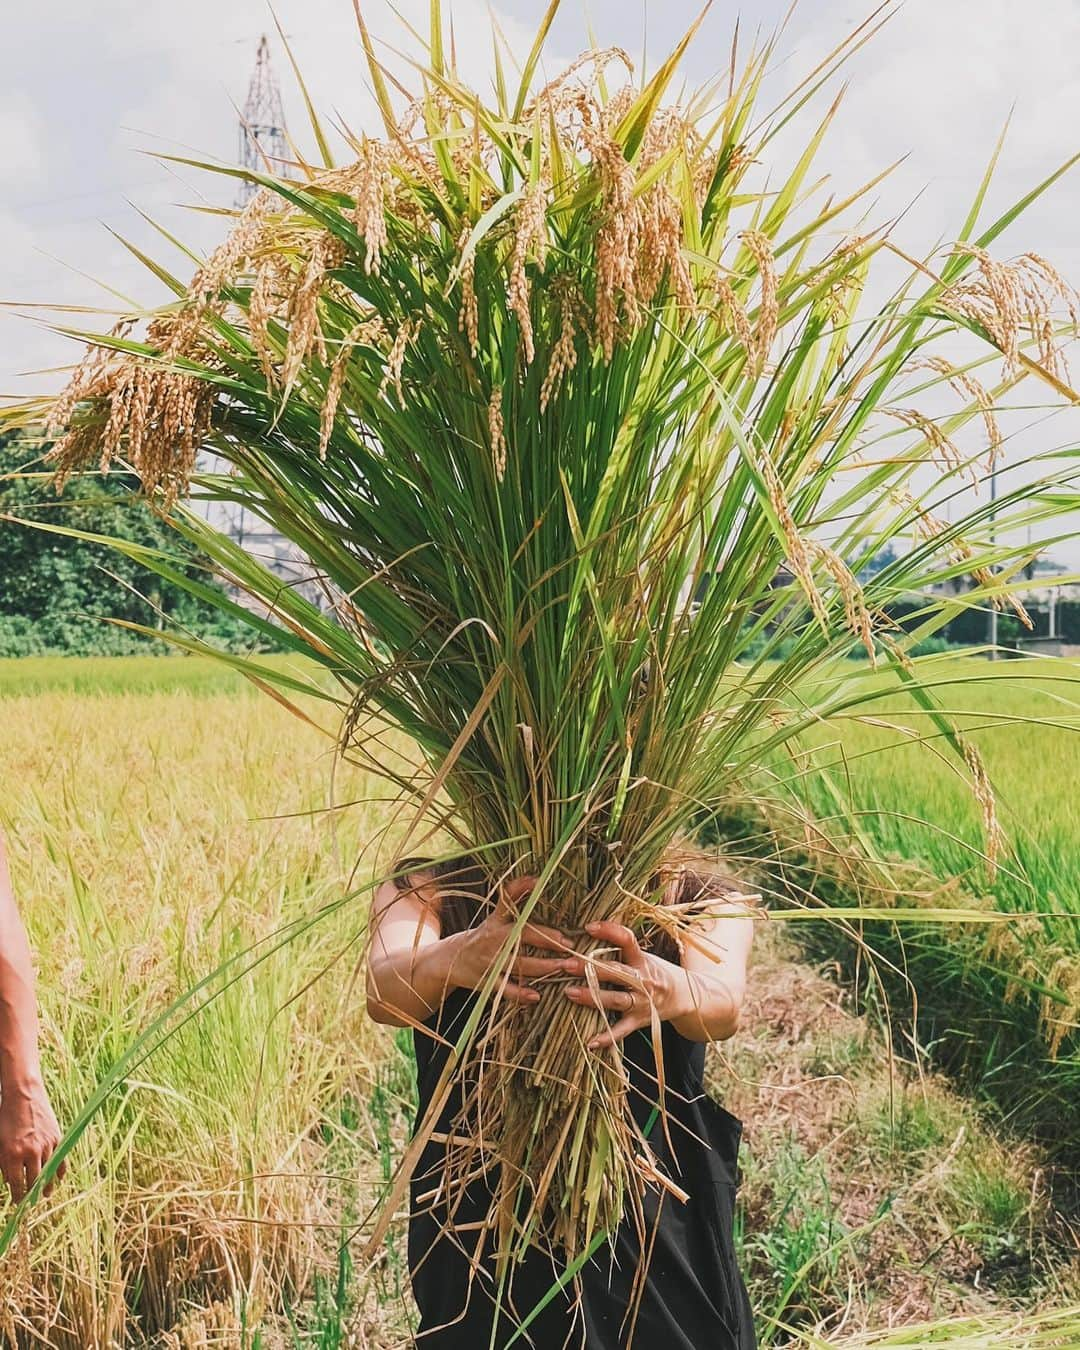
x,y
13,1174
536,935
614,972
507,900
621,936
618,1031
520,993
46,1154
613,1000
530,966
510,892
503,909
32,1169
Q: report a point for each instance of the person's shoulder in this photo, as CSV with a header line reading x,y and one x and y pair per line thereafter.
x,y
409,885
749,906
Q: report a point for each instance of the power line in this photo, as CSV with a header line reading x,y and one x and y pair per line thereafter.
x,y
263,142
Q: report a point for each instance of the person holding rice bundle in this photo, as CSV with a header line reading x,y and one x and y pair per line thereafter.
x,y
589,438
437,931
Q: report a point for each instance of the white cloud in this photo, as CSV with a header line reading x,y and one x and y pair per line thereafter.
x,y
937,84
124,75
127,77
22,139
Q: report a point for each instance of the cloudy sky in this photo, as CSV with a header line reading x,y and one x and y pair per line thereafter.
x,y
93,92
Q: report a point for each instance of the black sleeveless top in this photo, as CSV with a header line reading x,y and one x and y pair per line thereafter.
x,y
693,1297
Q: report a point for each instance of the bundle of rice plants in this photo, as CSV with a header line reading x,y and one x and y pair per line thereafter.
x,y
590,434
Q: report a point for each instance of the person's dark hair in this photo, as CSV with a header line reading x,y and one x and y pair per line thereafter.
x,y
466,892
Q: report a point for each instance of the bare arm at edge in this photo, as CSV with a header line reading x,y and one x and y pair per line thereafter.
x,y
29,1133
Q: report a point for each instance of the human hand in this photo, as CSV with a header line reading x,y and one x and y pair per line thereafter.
x,y
477,949
29,1135
651,986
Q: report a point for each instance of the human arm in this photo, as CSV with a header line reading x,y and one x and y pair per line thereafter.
x,y
29,1133
411,966
701,996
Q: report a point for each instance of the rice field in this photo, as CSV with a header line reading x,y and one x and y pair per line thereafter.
x,y
155,836
1000,1004
165,822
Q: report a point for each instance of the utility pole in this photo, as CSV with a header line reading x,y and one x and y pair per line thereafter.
x,y
264,150
264,146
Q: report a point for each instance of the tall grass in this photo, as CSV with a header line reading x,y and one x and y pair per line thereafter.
x,y
153,838
1050,1330
1002,1005
217,1197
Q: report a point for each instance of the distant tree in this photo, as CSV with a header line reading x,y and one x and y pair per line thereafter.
x,y
881,559
1041,566
55,591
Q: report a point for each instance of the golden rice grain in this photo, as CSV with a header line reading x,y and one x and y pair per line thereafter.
x,y
264,304
929,527
942,448
1008,298
496,432
984,795
798,550
90,379
856,612
966,383
768,304
468,315
599,59
619,230
374,179
396,357
566,293
530,229
304,328
15,1277
371,330
661,229
732,311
